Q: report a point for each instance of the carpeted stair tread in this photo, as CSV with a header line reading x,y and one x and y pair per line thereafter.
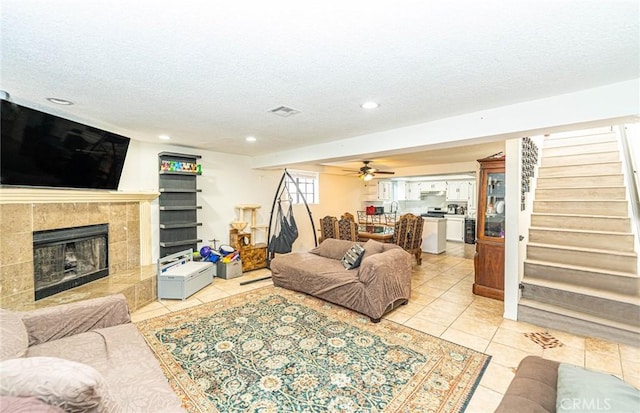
x,y
583,268
585,291
583,249
554,309
582,231
561,214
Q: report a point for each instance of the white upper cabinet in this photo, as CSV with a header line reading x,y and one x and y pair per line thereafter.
x,y
458,191
433,186
412,191
471,199
384,191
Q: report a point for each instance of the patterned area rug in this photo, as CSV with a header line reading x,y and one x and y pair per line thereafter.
x,y
274,350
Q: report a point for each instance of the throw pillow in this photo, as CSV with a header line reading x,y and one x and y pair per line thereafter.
x,y
72,386
15,340
352,257
583,390
372,247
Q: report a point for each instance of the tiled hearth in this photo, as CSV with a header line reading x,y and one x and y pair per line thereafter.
x,y
18,221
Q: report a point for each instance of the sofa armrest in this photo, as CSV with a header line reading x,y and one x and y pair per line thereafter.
x,y
533,389
51,323
392,266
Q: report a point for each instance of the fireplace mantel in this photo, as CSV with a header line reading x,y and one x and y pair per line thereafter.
x,y
45,195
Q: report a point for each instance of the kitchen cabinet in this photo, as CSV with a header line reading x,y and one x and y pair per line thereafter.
x,y
177,201
489,257
384,190
458,191
471,199
412,191
400,191
370,192
433,186
455,228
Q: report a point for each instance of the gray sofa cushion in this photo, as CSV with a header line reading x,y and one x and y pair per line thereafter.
x,y
9,404
332,248
113,351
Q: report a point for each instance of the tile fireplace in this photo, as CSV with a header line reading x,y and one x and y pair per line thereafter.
x,y
127,216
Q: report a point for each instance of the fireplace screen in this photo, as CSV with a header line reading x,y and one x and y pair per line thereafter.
x,y
69,257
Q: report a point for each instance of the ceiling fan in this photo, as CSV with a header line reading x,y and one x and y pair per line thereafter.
x,y
366,172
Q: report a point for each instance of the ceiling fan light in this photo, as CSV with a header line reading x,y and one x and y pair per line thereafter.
x,y
367,177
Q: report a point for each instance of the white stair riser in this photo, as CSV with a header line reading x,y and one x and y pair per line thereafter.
x,y
580,181
580,327
628,285
611,146
579,140
614,224
606,261
608,168
581,159
613,242
575,194
606,208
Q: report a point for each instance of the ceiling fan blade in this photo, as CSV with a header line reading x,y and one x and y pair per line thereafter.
x,y
385,172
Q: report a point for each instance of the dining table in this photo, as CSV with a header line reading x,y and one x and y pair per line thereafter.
x,y
382,233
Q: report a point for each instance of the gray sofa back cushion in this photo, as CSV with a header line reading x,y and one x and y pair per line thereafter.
x,y
332,248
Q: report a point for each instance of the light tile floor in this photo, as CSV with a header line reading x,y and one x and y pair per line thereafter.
x,y
443,305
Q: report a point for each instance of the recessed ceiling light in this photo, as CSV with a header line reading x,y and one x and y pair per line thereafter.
x,y
250,139
59,101
369,105
164,137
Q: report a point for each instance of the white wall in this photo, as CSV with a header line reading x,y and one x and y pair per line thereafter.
x,y
228,180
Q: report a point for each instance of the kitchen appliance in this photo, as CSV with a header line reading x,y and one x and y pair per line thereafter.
x,y
434,212
469,231
451,208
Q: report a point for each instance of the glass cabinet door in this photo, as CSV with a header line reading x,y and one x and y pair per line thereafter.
x,y
494,214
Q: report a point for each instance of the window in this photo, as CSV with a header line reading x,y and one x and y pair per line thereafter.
x,y
307,183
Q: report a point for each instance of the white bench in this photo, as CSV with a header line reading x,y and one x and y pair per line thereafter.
x,y
180,277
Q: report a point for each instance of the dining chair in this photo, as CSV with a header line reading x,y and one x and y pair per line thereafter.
x,y
328,227
348,215
408,235
347,229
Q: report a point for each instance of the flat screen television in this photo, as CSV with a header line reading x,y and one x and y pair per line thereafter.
x,y
43,150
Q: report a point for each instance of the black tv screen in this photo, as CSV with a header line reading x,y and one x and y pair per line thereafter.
x,y
39,149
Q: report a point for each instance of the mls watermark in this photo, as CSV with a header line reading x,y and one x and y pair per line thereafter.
x,y
578,404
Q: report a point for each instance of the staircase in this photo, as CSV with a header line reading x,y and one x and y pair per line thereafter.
x,y
581,270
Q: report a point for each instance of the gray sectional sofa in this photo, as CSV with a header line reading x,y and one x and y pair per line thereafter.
x,y
85,356
380,283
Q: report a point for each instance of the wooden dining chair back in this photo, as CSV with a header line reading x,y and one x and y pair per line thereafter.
x,y
348,215
408,235
328,227
347,229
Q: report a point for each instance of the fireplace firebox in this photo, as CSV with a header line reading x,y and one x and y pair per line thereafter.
x,y
68,257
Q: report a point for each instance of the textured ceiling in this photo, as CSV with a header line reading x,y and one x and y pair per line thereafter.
x,y
207,73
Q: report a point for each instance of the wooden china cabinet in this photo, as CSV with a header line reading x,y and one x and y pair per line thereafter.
x,y
489,258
